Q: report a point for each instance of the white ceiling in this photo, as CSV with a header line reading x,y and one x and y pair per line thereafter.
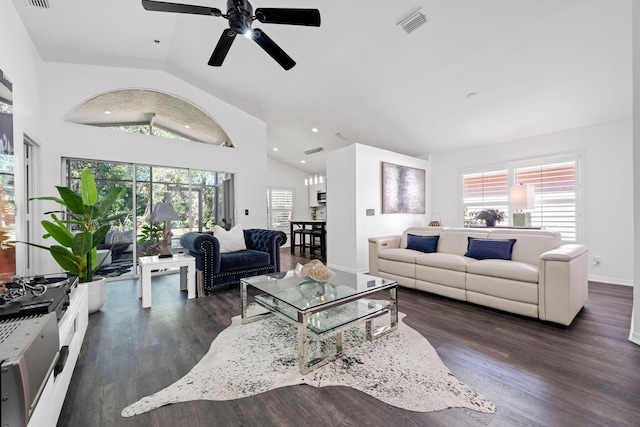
x,y
537,66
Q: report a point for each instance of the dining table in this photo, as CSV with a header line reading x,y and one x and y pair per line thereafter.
x,y
309,227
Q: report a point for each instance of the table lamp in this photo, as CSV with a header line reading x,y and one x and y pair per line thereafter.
x,y
164,212
522,197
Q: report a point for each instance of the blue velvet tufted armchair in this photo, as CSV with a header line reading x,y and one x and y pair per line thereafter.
x,y
215,269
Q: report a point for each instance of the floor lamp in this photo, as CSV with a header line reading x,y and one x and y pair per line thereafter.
x,y
522,197
164,212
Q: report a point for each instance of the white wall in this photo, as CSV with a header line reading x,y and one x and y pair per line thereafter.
x,y
354,184
634,334
341,220
606,187
284,176
20,61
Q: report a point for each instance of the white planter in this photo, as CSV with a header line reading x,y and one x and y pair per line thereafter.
x,y
97,294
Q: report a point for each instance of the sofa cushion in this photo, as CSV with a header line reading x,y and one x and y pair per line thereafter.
x,y
513,270
398,268
441,276
243,260
230,241
511,290
490,248
454,241
418,231
425,244
397,254
530,245
445,261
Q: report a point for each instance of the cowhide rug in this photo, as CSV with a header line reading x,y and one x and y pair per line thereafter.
x,y
401,369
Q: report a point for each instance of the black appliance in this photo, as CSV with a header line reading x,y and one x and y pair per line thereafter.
x,y
35,295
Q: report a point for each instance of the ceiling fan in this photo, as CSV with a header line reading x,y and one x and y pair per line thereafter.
x,y
240,16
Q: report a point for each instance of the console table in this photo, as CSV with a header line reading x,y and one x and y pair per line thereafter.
x,y
72,328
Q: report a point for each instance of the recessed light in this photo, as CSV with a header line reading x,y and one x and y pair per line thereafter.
x,y
275,148
107,112
472,95
187,126
302,161
314,129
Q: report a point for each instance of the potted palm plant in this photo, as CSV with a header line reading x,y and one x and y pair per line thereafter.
x,y
76,252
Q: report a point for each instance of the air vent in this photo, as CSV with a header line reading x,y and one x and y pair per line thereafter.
x,y
42,4
342,136
414,21
314,150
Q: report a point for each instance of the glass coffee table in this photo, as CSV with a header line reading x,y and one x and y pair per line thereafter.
x,y
322,310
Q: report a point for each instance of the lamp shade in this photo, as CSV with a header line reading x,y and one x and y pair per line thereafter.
x,y
522,197
164,212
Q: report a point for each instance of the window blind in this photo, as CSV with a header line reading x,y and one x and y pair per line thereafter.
x,y
279,208
555,195
485,190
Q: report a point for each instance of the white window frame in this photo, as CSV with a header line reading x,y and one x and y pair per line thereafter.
x,y
270,209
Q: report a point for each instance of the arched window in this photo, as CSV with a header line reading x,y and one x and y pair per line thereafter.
x,y
151,113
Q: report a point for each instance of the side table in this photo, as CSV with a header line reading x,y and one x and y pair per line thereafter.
x,y
187,265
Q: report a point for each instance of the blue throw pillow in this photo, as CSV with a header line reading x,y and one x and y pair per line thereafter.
x,y
425,244
490,248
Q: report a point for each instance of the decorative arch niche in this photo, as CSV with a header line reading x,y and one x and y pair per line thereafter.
x,y
150,112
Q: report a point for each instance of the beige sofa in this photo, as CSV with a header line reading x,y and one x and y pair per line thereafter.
x,y
543,279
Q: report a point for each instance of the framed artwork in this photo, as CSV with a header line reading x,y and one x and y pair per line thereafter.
x,y
403,189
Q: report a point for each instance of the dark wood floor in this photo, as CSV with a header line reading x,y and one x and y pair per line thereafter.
x,y
537,374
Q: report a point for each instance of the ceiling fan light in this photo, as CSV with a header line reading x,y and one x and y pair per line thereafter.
x,y
248,34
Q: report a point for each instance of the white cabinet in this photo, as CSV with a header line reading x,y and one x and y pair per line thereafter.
x,y
72,328
314,189
313,195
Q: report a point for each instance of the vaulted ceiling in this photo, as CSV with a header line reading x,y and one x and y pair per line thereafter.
x,y
534,67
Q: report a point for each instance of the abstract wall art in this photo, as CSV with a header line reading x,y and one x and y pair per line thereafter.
x,y
403,189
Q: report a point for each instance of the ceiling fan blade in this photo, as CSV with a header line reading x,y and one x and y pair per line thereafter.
x,y
273,49
222,48
308,17
158,6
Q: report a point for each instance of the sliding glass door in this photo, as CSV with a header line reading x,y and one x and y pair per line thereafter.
x,y
201,199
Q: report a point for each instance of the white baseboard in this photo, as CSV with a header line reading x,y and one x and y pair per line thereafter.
x,y
610,280
344,268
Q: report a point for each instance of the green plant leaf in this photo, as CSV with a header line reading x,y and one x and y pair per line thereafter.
x,y
59,233
82,243
55,199
67,260
100,234
93,266
88,188
71,200
35,245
